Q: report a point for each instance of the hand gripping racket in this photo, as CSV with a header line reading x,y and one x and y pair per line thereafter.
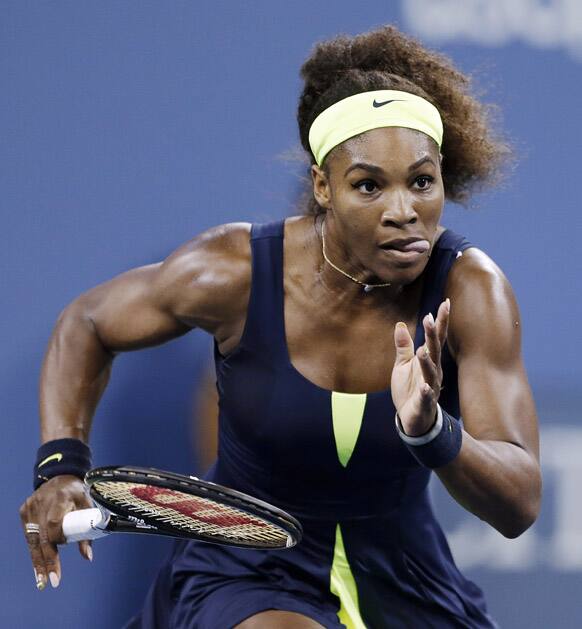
x,y
145,500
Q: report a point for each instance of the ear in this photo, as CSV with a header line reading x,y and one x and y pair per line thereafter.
x,y
321,190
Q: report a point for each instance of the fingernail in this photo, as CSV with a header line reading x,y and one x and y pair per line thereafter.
x,y
430,318
426,352
54,579
89,553
39,580
401,324
448,302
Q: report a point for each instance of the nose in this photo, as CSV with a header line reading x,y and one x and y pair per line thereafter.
x,y
399,211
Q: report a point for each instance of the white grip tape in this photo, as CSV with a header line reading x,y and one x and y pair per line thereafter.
x,y
84,524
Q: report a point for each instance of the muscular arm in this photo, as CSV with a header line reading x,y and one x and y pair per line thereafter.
x,y
203,284
496,475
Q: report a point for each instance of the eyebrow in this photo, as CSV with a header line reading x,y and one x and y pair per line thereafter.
x,y
380,171
421,161
364,166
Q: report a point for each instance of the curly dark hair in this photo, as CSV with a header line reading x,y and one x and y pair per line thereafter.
x,y
387,59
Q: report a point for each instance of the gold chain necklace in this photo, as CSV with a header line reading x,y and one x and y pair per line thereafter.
x,y
367,287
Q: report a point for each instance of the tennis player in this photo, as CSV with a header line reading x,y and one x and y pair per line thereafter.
x,y
350,342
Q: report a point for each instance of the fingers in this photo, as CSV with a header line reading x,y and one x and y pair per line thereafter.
x,y
429,355
86,550
430,371
30,522
428,401
50,555
404,343
85,547
416,384
431,338
435,332
53,525
42,515
51,534
442,321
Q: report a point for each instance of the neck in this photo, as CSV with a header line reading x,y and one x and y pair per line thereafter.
x,y
357,277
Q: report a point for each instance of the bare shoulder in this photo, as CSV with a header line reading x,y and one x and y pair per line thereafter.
x,y
474,271
484,311
206,281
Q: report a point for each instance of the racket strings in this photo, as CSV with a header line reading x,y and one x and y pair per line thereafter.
x,y
195,514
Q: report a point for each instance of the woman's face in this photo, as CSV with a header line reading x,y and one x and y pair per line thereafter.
x,y
384,195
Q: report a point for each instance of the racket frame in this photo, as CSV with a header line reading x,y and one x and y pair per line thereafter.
x,y
123,520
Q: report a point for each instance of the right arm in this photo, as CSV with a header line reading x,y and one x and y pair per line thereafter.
x,y
205,283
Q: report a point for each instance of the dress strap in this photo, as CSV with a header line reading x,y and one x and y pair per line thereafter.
x,y
448,248
265,327
274,229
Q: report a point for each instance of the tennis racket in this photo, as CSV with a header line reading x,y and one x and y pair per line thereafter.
x,y
145,500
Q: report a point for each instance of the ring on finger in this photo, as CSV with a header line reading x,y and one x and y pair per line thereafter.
x,y
32,528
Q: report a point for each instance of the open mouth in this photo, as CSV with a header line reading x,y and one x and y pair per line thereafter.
x,y
414,247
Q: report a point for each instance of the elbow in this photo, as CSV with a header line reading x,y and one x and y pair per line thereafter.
x,y
517,526
75,313
525,512
76,325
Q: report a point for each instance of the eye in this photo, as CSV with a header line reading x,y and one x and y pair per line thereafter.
x,y
424,182
366,186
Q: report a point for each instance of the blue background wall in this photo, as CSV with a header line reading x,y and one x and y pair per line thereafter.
x,y
129,127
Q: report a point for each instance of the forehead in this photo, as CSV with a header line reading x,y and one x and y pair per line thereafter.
x,y
388,147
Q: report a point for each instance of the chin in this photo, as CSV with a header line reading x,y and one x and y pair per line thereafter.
x,y
403,273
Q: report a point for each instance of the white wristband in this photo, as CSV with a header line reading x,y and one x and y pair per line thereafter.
x,y
422,439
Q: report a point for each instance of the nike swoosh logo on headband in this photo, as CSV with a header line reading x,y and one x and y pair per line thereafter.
x,y
57,457
377,104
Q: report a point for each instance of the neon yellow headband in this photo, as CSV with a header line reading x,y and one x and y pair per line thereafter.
x,y
372,110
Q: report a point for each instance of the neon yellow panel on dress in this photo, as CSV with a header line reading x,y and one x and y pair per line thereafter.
x,y
343,585
347,411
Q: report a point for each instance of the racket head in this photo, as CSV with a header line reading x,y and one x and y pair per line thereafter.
x,y
185,506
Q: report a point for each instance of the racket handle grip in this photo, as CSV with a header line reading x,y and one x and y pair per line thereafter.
x,y
84,524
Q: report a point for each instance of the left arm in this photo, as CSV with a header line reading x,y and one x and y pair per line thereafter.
x,y
496,475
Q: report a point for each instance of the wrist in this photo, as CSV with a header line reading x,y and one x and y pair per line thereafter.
x,y
440,445
61,457
427,435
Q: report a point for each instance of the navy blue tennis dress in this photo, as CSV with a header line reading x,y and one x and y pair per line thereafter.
x,y
373,555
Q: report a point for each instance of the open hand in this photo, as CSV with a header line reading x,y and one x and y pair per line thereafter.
x,y
417,376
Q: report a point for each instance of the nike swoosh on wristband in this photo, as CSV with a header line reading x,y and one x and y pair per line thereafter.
x,y
57,457
377,104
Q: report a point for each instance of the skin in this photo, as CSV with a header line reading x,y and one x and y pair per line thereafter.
x,y
396,192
